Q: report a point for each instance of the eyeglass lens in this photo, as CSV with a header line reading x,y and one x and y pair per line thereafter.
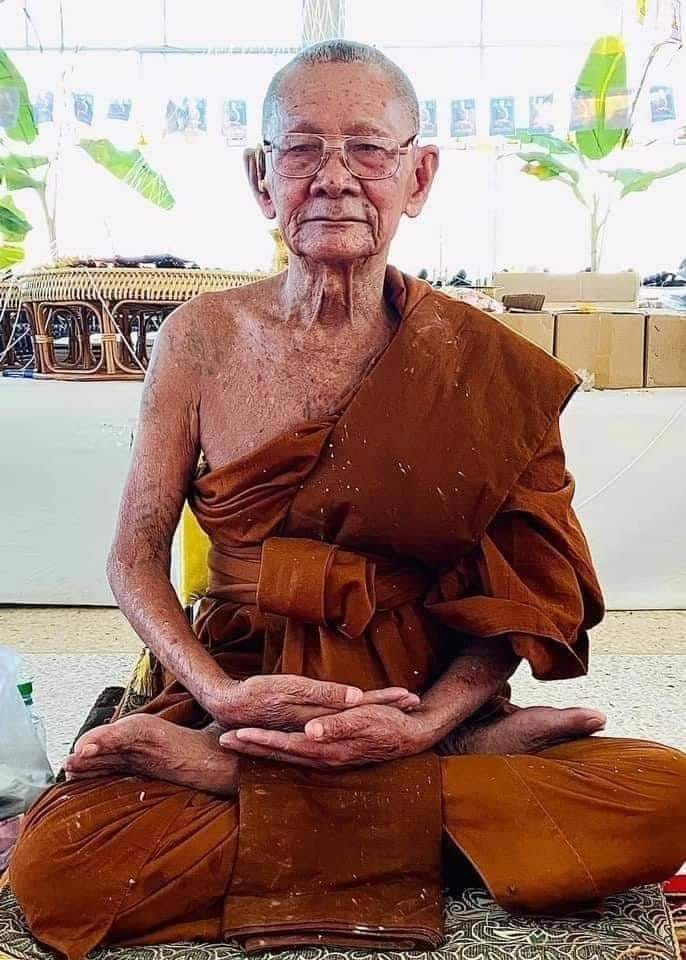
x,y
297,155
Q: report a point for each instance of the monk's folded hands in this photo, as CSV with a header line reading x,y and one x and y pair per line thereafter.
x,y
361,735
287,702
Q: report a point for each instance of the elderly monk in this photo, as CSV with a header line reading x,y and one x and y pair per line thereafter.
x,y
384,485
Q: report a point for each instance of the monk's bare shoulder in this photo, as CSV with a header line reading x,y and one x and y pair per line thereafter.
x,y
205,336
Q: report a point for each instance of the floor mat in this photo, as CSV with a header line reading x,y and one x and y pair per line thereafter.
x,y
635,925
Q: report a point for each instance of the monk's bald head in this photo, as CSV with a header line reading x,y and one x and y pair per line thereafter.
x,y
338,51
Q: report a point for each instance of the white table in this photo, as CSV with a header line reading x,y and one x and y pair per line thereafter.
x,y
66,446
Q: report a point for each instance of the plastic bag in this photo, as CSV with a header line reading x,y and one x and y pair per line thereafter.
x,y
25,770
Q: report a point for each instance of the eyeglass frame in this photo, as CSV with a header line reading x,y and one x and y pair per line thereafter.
x,y
267,146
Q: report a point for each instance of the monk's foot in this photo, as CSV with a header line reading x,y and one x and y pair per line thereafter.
x,y
151,747
528,730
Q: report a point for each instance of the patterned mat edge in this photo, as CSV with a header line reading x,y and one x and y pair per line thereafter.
x,y
475,926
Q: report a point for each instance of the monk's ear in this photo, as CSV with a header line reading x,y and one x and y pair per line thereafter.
x,y
255,163
426,167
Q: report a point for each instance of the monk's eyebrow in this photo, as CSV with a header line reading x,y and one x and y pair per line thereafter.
x,y
357,129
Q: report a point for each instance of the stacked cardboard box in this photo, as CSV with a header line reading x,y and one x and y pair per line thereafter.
x,y
624,349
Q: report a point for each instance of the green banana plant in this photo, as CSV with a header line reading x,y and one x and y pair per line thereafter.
x,y
19,171
577,161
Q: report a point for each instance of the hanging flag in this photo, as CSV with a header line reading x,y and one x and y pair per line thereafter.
x,y
83,107
428,126
502,116
641,10
662,103
188,115
9,107
43,107
541,118
119,109
235,121
463,118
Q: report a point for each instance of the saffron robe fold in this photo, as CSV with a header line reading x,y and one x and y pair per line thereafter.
x,y
364,547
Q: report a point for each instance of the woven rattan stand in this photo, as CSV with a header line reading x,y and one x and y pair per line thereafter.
x,y
15,330
99,323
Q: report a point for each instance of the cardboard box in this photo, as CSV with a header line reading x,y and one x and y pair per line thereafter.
x,y
538,327
609,345
666,349
605,291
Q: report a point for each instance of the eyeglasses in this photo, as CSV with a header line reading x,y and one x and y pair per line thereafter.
x,y
300,155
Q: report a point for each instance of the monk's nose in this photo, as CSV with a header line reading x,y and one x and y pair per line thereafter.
x,y
334,177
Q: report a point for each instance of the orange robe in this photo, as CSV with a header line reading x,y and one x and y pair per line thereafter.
x,y
364,547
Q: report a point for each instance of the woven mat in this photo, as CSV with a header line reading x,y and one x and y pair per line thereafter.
x,y
634,926
677,905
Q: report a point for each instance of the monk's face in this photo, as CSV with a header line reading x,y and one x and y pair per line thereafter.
x,y
334,216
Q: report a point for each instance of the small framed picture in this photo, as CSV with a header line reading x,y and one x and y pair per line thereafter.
x,y
502,113
541,119
9,107
187,115
662,103
119,109
617,109
83,107
463,118
235,121
44,107
583,111
428,126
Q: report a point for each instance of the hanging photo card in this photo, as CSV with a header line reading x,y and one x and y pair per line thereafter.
x,y
235,121
502,114
83,107
677,22
9,107
541,118
662,103
187,115
463,118
583,111
119,109
44,108
428,126
617,109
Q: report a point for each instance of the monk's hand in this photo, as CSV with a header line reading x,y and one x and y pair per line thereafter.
x,y
288,702
369,733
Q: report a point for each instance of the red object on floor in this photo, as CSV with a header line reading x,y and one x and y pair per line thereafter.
x,y
677,884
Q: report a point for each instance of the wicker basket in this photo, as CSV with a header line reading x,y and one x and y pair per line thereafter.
x,y
98,323
10,294
146,284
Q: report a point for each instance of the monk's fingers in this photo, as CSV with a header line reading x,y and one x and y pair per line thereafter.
x,y
289,745
340,726
324,693
398,697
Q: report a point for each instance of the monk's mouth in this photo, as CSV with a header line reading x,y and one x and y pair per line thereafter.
x,y
333,220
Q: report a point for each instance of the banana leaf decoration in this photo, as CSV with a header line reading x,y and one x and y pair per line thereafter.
x,y
131,167
10,255
14,171
13,87
603,80
635,181
13,224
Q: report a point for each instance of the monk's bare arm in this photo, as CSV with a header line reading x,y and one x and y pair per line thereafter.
x,y
468,683
163,460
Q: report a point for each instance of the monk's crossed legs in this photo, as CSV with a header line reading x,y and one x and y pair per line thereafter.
x,y
129,859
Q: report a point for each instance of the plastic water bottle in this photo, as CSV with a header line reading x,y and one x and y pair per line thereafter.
x,y
26,690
